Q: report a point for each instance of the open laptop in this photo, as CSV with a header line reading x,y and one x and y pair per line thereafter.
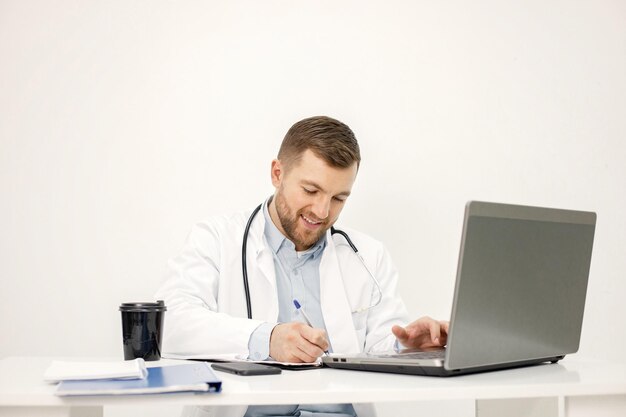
x,y
519,296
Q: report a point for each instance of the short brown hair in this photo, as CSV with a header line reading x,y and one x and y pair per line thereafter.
x,y
326,137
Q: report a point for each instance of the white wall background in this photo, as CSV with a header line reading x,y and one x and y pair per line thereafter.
x,y
124,122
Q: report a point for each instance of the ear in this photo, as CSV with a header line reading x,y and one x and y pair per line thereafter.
x,y
277,173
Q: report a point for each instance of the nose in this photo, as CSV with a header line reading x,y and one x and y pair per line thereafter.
x,y
321,207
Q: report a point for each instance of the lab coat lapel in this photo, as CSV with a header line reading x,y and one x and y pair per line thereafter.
x,y
335,306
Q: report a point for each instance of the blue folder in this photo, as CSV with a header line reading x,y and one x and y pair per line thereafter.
x,y
189,377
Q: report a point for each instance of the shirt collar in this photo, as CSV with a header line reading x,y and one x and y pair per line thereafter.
x,y
272,234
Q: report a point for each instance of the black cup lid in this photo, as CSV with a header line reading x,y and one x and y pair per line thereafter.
x,y
143,306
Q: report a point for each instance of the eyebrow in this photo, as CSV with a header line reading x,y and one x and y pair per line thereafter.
x,y
316,185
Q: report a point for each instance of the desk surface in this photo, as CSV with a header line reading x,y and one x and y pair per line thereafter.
x,y
21,384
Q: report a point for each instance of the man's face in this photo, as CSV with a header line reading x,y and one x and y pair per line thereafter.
x,y
309,197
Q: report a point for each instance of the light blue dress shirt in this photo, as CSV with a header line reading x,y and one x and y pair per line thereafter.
x,y
297,277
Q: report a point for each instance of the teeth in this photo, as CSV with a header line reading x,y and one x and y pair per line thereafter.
x,y
309,220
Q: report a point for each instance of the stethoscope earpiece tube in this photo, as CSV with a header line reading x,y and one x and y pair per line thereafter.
x,y
345,235
244,268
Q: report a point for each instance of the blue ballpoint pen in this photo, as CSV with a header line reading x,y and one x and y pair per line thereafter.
x,y
306,317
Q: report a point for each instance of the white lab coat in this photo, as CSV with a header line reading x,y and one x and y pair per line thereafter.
x,y
206,305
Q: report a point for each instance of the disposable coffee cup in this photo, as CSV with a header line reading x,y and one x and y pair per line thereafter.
x,y
142,330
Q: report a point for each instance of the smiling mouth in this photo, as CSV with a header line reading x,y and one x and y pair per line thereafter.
x,y
310,221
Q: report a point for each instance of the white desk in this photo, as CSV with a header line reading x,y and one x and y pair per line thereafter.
x,y
571,388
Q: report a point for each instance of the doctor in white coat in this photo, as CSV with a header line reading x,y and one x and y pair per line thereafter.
x,y
204,292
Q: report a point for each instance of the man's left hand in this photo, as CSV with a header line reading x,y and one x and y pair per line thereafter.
x,y
423,333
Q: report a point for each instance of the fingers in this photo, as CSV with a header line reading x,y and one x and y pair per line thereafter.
x,y
445,325
315,337
438,330
445,329
307,353
422,333
435,331
297,342
400,333
312,344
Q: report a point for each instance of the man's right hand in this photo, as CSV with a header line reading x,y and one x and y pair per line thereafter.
x,y
297,342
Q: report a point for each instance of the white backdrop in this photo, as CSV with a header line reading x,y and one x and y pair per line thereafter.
x,y
124,122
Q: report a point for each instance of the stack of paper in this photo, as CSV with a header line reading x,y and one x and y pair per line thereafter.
x,y
79,371
130,377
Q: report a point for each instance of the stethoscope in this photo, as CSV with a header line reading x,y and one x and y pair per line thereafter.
x,y
333,231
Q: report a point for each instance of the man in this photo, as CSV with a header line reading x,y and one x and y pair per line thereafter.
x,y
290,255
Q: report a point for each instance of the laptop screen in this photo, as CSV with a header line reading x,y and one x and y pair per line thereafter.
x,y
521,284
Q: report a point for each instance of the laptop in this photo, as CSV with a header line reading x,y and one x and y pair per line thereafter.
x,y
519,296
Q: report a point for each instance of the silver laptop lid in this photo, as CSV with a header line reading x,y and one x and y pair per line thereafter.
x,y
521,284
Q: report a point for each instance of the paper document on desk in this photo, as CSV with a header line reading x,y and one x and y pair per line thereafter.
x,y
289,365
241,358
79,371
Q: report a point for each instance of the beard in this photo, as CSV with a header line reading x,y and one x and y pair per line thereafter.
x,y
300,236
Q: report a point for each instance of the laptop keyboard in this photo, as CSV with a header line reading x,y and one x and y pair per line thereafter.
x,y
431,354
